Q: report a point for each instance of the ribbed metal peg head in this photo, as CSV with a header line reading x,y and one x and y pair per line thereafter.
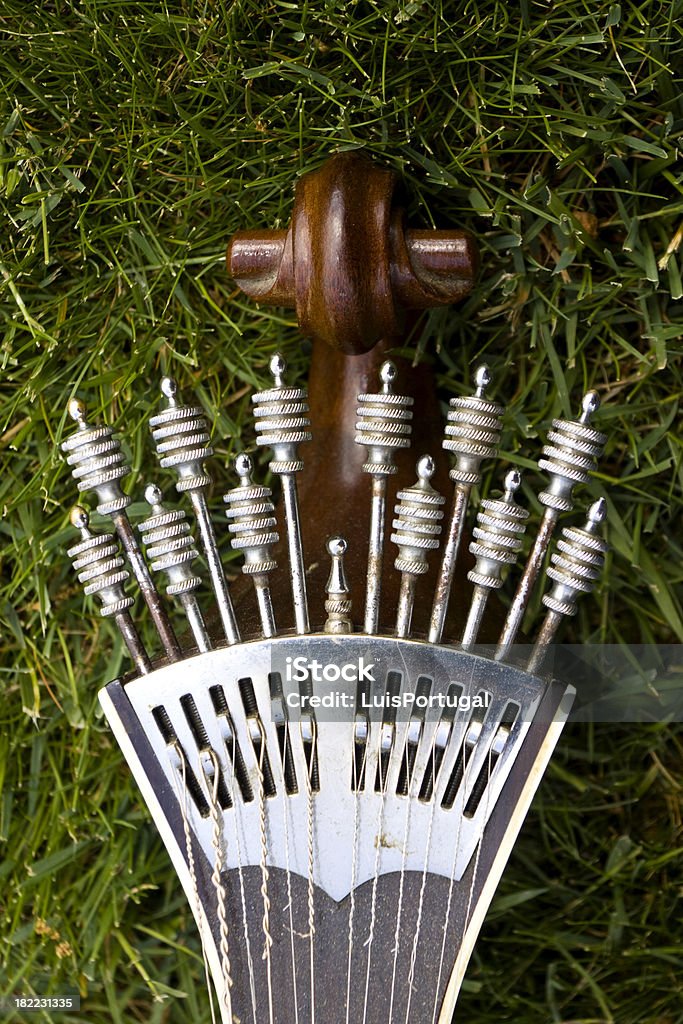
x,y
338,603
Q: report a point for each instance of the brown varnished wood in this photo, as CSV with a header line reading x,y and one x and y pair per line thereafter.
x,y
352,270
348,264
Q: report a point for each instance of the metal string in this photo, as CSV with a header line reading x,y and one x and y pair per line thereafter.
x,y
354,857
286,810
404,854
378,851
451,885
216,879
311,890
264,872
245,922
189,853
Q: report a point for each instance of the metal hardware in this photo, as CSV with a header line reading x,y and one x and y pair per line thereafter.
x,y
417,528
169,543
252,522
575,567
473,433
384,425
338,603
575,447
181,436
100,569
282,424
98,464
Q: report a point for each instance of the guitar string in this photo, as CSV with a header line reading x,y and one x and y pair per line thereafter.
x,y
310,838
216,879
454,864
375,879
418,922
357,775
189,853
264,870
240,875
404,854
290,901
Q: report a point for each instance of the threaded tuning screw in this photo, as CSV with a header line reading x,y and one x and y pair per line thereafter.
x,y
282,424
252,525
573,453
170,547
181,435
98,464
416,531
472,433
574,569
338,603
100,569
498,539
383,426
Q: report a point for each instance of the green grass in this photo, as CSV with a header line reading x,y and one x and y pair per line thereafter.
x,y
134,139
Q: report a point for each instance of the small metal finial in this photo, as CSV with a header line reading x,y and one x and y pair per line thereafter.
x,y
425,468
244,468
597,514
153,495
80,520
77,412
387,375
511,484
169,389
482,379
338,603
589,406
278,366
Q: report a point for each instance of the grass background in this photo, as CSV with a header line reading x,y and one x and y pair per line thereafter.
x,y
134,138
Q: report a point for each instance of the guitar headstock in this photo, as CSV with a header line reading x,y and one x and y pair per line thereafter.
x,y
338,798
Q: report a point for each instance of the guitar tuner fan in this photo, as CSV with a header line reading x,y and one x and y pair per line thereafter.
x,y
338,776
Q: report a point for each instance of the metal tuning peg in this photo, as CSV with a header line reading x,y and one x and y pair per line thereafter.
x,y
282,423
497,541
416,531
574,569
472,433
169,545
181,436
572,453
384,425
252,523
101,570
338,603
98,464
